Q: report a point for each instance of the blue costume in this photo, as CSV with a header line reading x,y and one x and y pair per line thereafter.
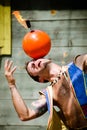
x,y
79,82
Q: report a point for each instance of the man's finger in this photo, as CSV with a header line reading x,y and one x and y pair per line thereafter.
x,y
14,68
6,63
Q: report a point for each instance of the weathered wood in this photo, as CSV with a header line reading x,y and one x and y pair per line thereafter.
x,y
50,26
62,32
54,15
56,53
22,127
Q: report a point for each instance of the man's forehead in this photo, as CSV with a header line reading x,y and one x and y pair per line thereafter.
x,y
29,61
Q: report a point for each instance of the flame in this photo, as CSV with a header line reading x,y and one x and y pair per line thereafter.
x,y
20,19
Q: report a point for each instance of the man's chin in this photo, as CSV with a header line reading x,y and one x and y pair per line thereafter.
x,y
46,63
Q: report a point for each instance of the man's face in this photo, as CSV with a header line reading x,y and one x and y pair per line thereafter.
x,y
36,67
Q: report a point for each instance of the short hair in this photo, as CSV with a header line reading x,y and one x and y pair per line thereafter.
x,y
35,78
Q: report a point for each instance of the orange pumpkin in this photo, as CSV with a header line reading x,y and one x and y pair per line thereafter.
x,y
36,44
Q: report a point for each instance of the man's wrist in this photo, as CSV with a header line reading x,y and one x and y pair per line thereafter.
x,y
12,86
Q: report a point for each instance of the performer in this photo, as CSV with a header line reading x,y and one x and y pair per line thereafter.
x,y
67,91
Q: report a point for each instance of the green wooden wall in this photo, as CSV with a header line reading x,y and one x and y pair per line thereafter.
x,y
68,32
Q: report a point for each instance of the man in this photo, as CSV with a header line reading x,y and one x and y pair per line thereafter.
x,y
67,91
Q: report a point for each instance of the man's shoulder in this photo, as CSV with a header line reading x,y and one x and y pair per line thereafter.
x,y
80,57
80,60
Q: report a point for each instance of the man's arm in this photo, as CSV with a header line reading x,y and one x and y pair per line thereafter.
x,y
38,108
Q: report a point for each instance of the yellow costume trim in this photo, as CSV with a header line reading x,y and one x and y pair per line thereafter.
x,y
54,121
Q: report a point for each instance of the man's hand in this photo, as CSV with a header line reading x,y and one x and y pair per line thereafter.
x,y
9,70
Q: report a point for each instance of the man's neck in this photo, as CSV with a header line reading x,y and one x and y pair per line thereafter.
x,y
54,70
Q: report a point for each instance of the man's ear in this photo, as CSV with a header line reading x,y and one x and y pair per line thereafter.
x,y
85,66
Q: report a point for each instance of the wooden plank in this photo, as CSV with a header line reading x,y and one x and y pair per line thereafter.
x,y
54,14
22,127
61,42
64,55
62,33
71,52
19,57
64,25
72,42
